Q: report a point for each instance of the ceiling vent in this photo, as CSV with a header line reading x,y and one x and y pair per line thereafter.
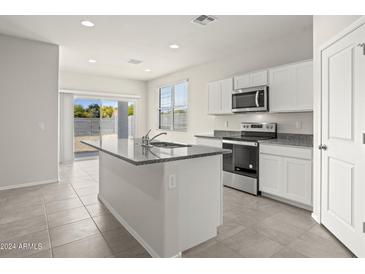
x,y
134,61
203,20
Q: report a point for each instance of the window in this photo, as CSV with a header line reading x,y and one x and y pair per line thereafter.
x,y
173,106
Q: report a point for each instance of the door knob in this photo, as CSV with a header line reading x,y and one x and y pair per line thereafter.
x,y
323,147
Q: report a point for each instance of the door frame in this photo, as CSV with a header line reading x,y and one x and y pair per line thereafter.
x,y
317,154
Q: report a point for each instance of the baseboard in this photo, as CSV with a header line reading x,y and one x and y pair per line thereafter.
x,y
316,218
286,201
29,184
134,233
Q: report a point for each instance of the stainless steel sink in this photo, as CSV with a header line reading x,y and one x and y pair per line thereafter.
x,y
168,145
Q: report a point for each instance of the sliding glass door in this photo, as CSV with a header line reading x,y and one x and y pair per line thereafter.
x,y
86,125
117,119
109,118
96,119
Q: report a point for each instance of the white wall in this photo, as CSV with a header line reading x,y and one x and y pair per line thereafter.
x,y
324,28
85,82
28,112
66,128
283,50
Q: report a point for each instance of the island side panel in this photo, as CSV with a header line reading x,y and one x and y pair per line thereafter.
x,y
135,196
195,204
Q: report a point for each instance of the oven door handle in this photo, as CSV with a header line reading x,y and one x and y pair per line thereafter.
x,y
257,98
241,143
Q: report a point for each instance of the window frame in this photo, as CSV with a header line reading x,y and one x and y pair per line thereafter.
x,y
172,106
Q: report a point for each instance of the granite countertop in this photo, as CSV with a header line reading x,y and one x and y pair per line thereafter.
x,y
286,139
219,134
132,151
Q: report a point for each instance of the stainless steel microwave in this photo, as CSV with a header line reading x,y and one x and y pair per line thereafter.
x,y
250,99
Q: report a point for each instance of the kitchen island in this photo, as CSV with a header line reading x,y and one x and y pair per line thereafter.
x,y
169,198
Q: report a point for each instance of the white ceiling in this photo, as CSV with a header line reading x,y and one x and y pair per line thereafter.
x,y
115,39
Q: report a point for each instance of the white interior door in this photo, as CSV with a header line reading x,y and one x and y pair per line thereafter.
x,y
343,176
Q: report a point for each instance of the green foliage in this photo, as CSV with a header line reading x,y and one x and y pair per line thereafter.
x,y
180,110
92,111
107,111
79,111
130,110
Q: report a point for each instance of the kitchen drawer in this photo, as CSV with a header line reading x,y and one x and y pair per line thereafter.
x,y
287,151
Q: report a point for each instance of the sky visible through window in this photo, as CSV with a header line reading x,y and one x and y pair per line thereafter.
x,y
85,102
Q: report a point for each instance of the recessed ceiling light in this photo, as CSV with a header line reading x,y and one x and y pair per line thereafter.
x,y
92,61
147,70
174,46
87,23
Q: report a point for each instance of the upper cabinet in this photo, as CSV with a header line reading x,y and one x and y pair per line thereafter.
x,y
220,96
291,87
214,97
226,95
253,79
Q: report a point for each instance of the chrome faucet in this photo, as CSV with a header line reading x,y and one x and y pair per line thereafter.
x,y
146,141
154,137
146,138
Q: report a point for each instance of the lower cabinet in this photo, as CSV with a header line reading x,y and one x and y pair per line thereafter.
x,y
271,175
286,172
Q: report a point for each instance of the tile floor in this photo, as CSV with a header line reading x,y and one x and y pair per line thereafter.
x,y
66,220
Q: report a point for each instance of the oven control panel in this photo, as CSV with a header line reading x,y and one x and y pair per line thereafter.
x,y
258,127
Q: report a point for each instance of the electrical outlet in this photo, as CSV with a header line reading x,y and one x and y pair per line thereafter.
x,y
172,181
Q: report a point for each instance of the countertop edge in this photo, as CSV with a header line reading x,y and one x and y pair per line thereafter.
x,y
208,137
266,142
155,161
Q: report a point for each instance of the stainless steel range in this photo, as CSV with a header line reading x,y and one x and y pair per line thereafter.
x,y
241,167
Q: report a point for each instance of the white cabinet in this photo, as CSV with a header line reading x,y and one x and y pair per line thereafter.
x,y
270,174
242,81
258,78
286,172
226,96
220,97
291,87
214,94
253,79
298,178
